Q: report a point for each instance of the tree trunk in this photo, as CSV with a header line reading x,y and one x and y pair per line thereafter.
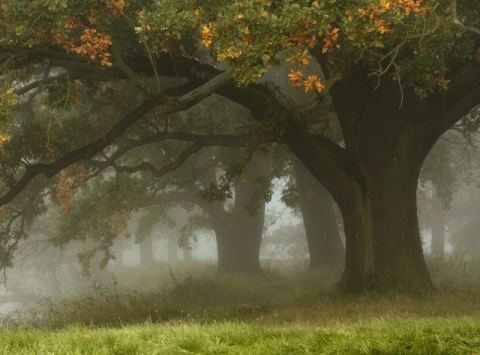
x,y
146,251
384,249
172,247
238,244
323,238
239,232
373,178
438,226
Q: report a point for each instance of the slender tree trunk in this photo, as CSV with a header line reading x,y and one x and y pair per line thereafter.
x,y
172,242
438,226
146,251
324,243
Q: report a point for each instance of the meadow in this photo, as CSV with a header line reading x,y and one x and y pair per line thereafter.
x,y
190,309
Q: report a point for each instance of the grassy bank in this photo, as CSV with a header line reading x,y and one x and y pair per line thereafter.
x,y
460,335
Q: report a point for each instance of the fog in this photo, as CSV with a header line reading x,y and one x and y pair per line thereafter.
x,y
43,271
447,200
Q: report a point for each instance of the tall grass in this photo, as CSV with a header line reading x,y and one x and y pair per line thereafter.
x,y
195,293
287,310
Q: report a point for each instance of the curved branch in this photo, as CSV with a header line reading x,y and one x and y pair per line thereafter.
x,y
168,104
200,141
86,152
182,157
463,95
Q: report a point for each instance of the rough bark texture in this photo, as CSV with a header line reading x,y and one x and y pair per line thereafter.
x,y
389,145
387,135
323,238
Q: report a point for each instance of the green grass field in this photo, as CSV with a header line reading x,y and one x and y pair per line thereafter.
x,y
294,312
459,335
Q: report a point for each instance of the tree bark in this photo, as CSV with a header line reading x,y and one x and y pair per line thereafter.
x,y
389,145
387,135
383,238
323,237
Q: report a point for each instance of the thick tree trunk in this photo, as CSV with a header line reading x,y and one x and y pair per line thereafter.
x,y
239,232
387,134
324,243
384,249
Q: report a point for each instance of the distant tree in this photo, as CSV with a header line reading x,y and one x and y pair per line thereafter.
x,y
316,204
452,163
286,241
234,210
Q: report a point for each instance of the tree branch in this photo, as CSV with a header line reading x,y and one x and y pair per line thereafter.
x,y
169,105
35,84
463,95
453,13
200,141
181,158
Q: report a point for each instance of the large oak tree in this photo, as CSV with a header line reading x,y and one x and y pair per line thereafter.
x,y
400,73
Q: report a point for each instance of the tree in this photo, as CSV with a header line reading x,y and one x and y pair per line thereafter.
x,y
234,208
450,164
400,73
324,243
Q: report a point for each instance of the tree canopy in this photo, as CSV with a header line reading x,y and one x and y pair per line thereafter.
x,y
87,81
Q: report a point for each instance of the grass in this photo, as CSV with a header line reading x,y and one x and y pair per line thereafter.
x,y
379,336
179,311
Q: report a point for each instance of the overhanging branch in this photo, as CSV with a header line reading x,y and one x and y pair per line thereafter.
x,y
199,140
168,105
